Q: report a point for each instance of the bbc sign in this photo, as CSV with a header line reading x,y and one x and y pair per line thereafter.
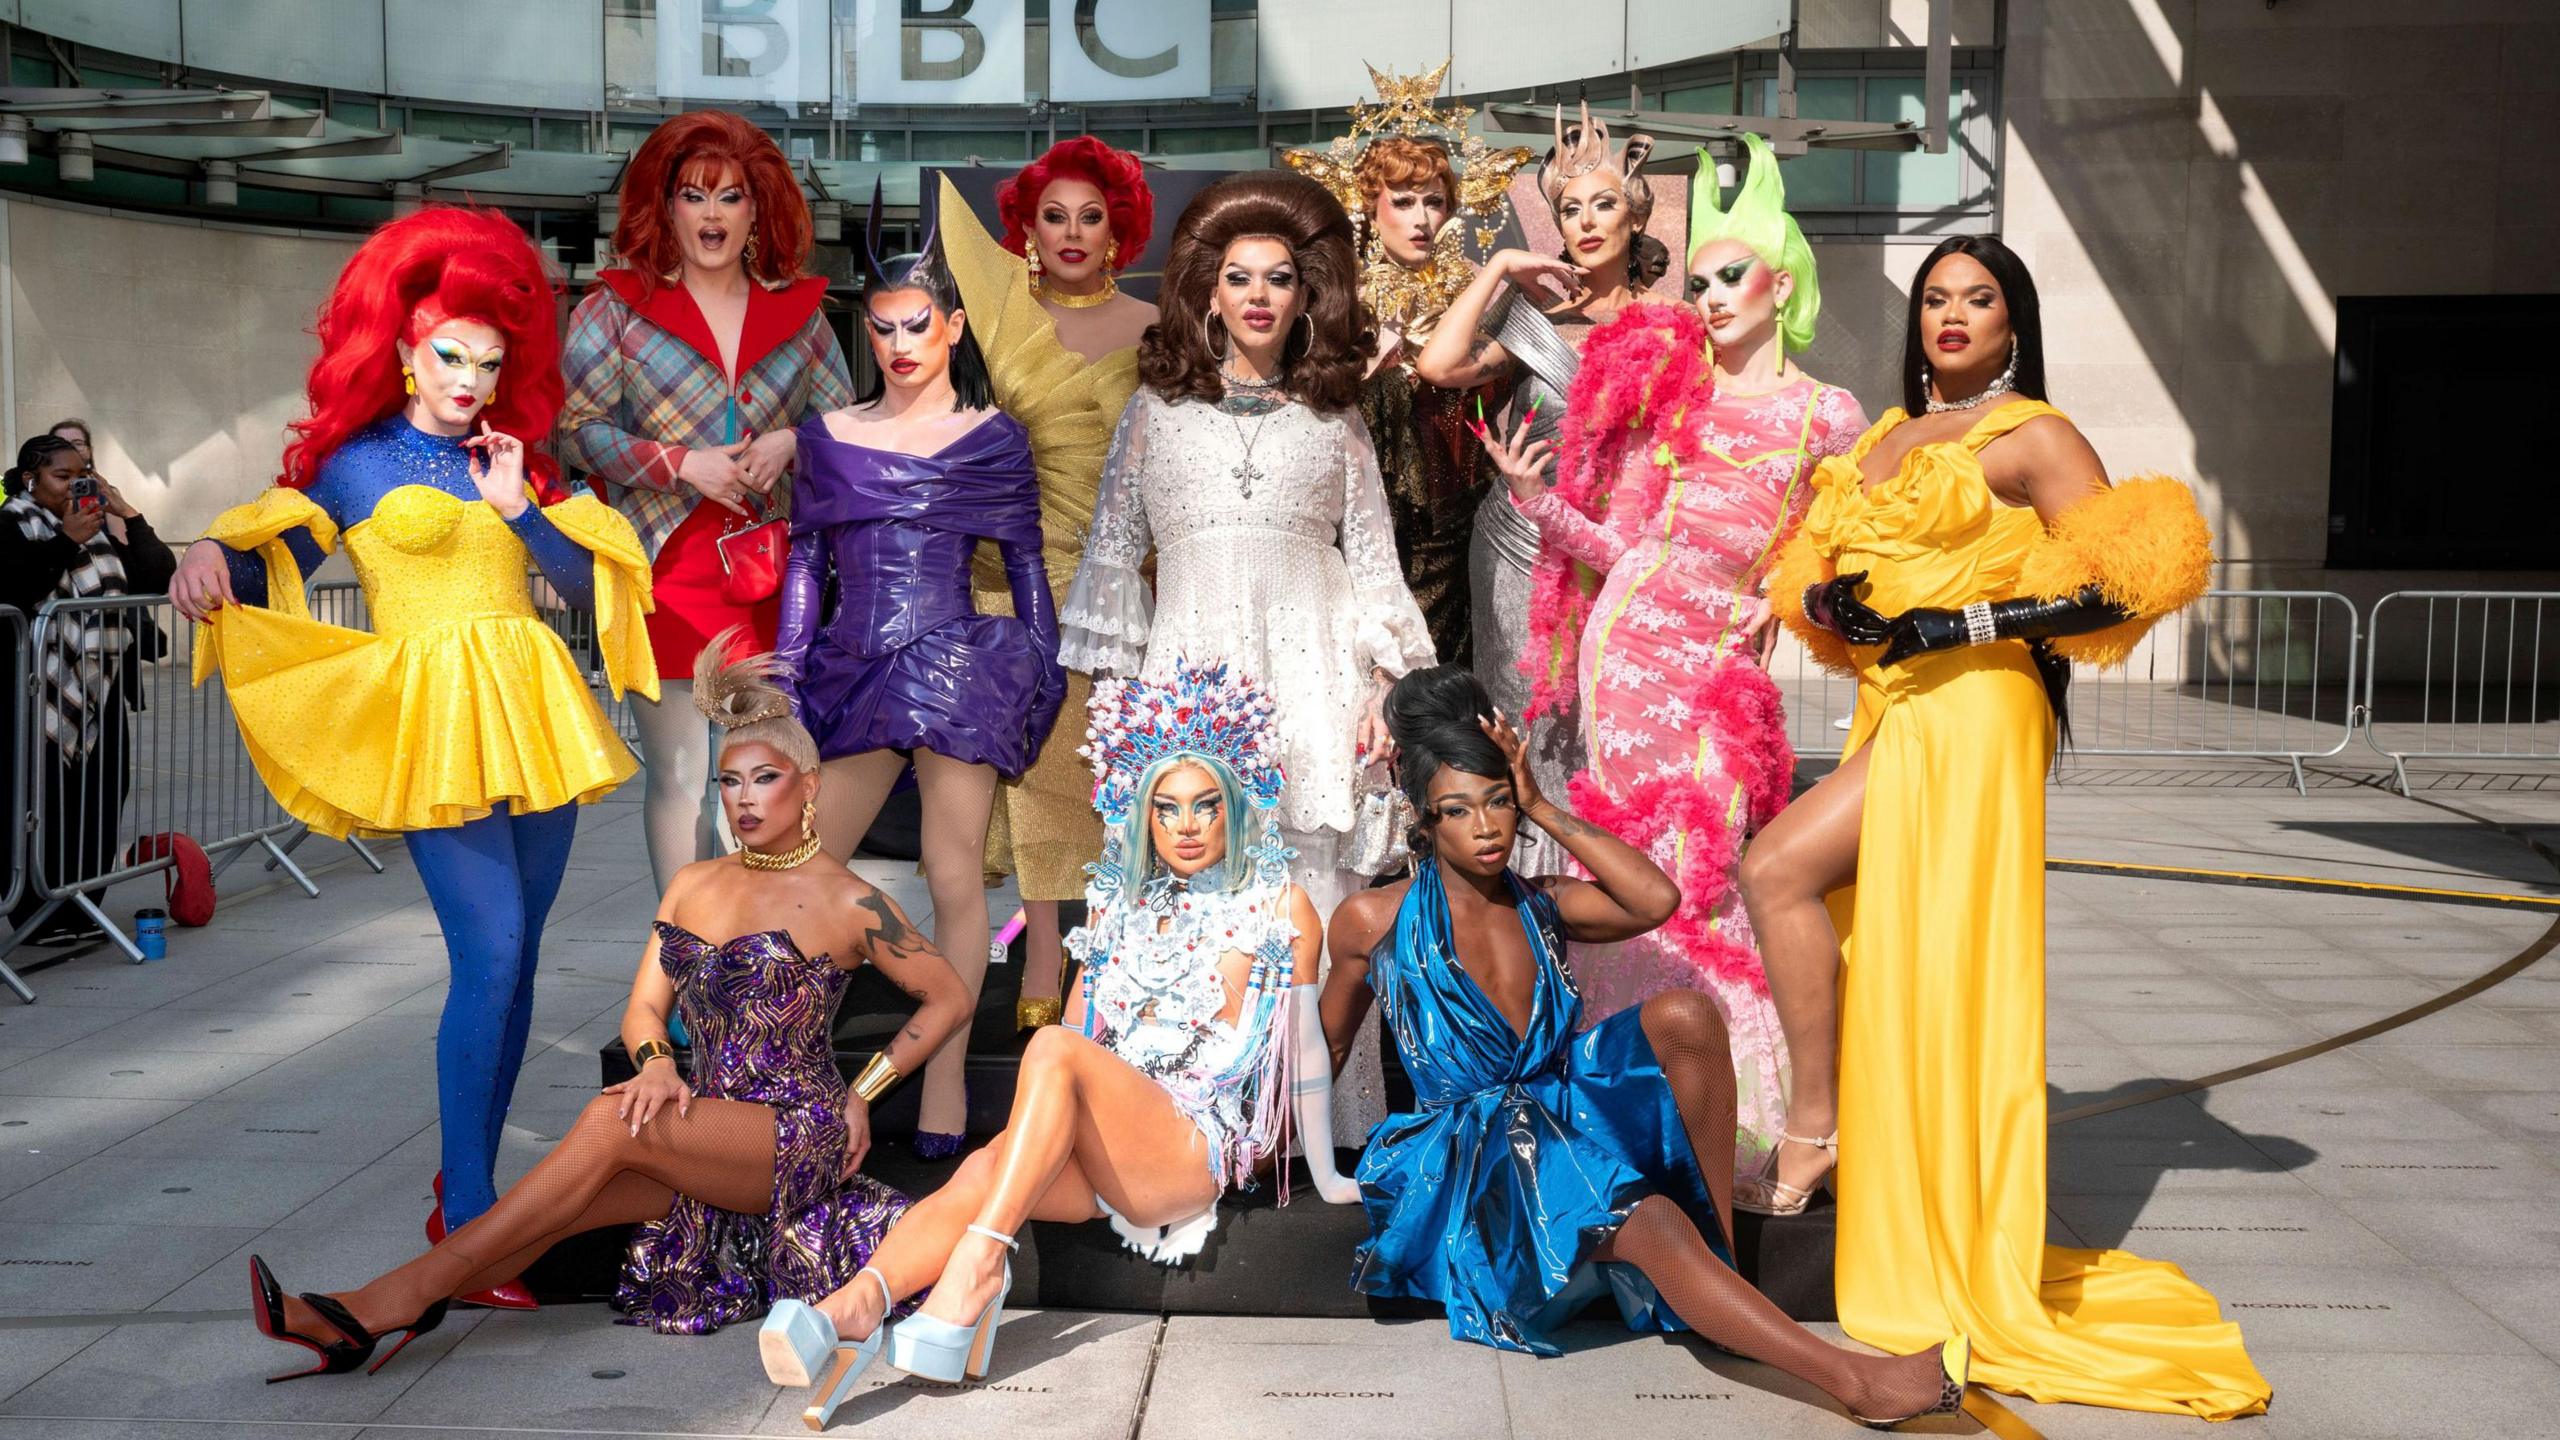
x,y
930,52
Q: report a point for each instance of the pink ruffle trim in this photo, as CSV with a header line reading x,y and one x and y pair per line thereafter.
x,y
1736,702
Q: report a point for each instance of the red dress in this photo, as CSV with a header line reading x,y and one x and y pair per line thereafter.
x,y
645,387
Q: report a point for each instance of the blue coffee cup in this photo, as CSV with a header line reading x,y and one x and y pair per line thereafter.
x,y
151,933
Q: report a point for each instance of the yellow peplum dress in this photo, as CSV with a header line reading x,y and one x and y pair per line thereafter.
x,y
461,697
1941,1179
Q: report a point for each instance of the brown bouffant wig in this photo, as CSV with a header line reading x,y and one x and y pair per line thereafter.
x,y
1324,358
1396,163
691,149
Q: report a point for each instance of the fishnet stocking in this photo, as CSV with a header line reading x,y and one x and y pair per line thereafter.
x,y
720,1153
675,754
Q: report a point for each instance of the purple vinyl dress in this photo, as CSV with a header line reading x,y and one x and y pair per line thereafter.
x,y
759,1013
904,660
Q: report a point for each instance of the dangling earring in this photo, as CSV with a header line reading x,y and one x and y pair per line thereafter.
x,y
1110,254
1032,253
749,254
809,818
408,381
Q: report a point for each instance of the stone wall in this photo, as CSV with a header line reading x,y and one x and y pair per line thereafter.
x,y
183,343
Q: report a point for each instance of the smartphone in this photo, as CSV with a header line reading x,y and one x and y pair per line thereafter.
x,y
84,493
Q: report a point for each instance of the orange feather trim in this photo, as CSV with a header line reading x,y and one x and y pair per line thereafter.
x,y
1799,565
2142,543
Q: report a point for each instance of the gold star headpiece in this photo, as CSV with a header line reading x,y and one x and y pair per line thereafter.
x,y
1406,109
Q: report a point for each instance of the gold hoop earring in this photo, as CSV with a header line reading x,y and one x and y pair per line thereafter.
x,y
408,381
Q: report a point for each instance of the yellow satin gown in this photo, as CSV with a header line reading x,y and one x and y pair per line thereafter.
x,y
1044,829
1941,1180
460,698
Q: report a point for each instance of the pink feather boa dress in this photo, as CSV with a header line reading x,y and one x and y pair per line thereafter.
x,y
1670,503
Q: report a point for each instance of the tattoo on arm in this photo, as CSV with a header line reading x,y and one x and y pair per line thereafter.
x,y
890,932
1565,825
912,1033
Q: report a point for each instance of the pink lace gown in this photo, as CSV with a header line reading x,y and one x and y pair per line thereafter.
x,y
1673,735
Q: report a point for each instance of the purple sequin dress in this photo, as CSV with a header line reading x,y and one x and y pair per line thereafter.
x,y
759,1012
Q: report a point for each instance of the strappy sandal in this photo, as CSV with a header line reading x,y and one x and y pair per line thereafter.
x,y
1766,1194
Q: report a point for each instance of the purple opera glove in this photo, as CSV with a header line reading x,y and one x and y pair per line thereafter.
x,y
1027,574
804,578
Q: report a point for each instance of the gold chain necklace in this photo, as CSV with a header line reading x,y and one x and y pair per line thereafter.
x,y
1064,301
791,859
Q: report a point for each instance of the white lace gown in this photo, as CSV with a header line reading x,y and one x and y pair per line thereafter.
x,y
1273,554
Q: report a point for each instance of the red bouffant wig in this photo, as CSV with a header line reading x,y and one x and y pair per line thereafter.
x,y
694,147
444,263
1116,173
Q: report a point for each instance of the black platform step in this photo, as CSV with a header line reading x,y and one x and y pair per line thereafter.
x,y
1265,1259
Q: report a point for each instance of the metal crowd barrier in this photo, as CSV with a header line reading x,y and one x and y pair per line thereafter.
x,y
2478,695
2268,674
13,780
120,748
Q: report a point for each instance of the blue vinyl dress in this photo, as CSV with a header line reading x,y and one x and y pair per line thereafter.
x,y
1528,1152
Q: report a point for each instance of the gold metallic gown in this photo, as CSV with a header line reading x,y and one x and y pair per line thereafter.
x,y
1044,830
1942,1061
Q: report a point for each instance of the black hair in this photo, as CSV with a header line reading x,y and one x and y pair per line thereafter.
x,y
1433,716
31,457
2026,323
2026,317
970,382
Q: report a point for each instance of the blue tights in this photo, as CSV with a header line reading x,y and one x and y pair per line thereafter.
x,y
492,882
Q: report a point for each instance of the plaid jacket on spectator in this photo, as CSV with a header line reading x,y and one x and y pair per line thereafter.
x,y
645,386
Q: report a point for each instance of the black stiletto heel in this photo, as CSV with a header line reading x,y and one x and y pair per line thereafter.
x,y
337,1357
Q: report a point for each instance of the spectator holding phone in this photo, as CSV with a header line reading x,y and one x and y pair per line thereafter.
x,y
65,533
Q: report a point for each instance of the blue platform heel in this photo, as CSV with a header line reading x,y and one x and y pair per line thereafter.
x,y
939,1350
797,1339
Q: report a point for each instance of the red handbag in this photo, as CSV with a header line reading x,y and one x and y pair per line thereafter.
x,y
189,878
751,557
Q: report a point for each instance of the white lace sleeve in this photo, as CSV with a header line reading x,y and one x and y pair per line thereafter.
x,y
1102,628
1393,636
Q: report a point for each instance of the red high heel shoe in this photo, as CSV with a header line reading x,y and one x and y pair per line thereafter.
x,y
511,1296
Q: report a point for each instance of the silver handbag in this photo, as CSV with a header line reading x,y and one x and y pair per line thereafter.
x,y
1381,820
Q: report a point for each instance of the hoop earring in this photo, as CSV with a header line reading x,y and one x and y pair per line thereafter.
x,y
408,381
1214,337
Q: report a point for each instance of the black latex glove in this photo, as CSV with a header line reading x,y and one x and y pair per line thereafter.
x,y
1834,605
1917,632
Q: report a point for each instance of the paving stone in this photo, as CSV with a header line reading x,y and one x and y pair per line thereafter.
x,y
1264,1392
61,1265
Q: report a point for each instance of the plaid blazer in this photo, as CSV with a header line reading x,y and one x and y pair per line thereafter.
x,y
645,387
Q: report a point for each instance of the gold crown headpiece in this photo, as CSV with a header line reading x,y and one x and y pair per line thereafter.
x,y
1405,110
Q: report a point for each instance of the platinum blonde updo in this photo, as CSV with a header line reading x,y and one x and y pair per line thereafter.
x,y
740,697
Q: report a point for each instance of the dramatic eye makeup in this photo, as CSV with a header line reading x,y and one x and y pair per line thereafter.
x,y
915,324
455,356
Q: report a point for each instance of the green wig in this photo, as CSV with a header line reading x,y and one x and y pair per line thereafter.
x,y
1760,220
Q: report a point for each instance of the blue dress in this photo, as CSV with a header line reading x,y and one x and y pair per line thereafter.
x,y
1528,1152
